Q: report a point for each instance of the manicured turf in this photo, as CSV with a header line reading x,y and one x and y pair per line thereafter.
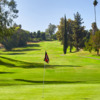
x,y
52,92
74,76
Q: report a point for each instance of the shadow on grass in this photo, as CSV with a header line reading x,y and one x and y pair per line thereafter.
x,y
95,55
50,82
7,72
21,49
8,62
32,45
74,51
31,82
11,53
25,50
52,66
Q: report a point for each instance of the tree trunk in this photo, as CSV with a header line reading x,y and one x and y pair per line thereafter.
x,y
77,42
95,13
77,49
98,52
64,50
70,48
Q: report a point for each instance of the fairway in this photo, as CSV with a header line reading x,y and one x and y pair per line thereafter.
x,y
74,76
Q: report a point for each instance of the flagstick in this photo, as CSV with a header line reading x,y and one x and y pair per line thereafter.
x,y
43,80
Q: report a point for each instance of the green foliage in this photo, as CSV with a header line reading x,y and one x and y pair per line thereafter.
x,y
89,45
54,37
8,43
65,38
76,33
37,36
94,42
8,12
60,32
51,29
78,19
70,33
18,39
43,36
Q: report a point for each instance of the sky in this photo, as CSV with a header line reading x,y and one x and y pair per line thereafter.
x,y
36,15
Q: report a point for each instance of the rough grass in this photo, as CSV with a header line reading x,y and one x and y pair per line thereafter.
x,y
74,76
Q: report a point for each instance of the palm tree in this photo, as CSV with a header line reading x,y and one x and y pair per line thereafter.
x,y
94,28
95,3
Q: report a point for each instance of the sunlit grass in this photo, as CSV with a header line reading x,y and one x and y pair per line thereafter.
x,y
67,77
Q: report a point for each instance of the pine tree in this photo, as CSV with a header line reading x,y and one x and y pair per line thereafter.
x,y
77,30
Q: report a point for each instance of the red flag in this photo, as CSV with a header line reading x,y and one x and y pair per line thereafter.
x,y
46,59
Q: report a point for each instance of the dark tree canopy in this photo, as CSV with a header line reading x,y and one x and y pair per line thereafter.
x,y
95,2
65,39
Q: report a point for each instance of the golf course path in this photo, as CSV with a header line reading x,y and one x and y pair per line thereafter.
x,y
90,57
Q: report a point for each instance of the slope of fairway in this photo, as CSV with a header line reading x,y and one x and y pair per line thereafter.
x,y
74,76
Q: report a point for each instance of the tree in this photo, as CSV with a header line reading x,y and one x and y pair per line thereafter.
x,y
8,12
51,29
54,37
65,39
34,34
38,34
95,4
96,41
94,28
89,45
70,33
76,33
18,39
77,30
23,37
60,31
43,36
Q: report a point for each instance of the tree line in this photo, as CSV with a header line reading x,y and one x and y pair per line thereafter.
x,y
19,37
70,32
48,35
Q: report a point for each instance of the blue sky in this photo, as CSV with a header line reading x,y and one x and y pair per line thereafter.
x,y
36,15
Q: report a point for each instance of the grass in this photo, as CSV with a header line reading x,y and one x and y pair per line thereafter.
x,y
74,76
52,92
